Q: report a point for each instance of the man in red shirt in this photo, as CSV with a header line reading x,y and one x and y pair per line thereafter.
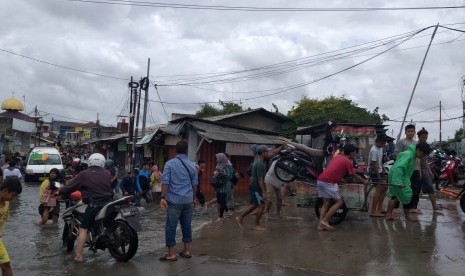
x,y
327,183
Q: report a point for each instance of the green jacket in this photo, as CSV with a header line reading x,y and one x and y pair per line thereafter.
x,y
400,174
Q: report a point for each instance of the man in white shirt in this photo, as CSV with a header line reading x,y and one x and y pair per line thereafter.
x,y
376,172
12,170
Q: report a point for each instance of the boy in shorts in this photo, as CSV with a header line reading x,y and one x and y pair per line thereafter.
x,y
327,183
10,188
399,176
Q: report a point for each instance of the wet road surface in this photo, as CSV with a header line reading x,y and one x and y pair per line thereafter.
x,y
291,246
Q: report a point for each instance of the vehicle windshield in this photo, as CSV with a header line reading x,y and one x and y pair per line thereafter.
x,y
44,159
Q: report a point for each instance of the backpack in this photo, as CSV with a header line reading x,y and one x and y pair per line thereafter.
x,y
218,180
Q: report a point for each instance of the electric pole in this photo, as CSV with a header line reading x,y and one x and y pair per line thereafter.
x,y
146,98
416,82
440,124
132,104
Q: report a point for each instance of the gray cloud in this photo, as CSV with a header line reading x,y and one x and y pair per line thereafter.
x,y
117,40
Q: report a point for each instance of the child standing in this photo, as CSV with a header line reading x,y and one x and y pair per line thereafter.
x,y
10,188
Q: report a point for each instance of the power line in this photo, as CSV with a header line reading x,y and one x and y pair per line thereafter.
x,y
288,66
322,78
61,116
62,66
161,102
274,89
430,121
257,9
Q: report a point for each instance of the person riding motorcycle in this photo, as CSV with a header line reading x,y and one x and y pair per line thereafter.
x,y
95,186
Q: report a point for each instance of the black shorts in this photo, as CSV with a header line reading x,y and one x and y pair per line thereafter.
x,y
89,217
55,211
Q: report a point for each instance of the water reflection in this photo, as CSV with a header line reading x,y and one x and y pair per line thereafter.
x,y
37,250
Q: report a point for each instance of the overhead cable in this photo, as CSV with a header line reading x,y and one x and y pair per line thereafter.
x,y
260,9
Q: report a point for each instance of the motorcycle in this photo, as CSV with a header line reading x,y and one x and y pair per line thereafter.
x,y
298,162
451,173
115,228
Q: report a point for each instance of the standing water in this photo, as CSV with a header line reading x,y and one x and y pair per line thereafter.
x,y
38,249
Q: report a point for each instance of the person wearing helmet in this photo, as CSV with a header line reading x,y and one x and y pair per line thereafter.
x,y
95,187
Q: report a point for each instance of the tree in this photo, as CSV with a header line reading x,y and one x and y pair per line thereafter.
x,y
342,110
208,110
458,135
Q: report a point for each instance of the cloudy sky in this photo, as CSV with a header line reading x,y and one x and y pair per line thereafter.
x,y
254,57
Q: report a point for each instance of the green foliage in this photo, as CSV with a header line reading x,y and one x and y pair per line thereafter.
x,y
342,110
458,135
208,110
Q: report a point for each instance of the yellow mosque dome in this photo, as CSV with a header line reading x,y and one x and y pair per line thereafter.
x,y
12,104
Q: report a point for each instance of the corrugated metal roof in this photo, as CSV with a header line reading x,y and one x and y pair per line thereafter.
x,y
147,138
237,114
245,138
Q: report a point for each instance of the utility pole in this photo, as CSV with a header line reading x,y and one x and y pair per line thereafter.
x,y
462,90
440,124
36,117
99,130
146,98
133,99
416,82
136,135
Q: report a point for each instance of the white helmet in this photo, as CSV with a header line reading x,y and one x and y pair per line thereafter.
x,y
96,160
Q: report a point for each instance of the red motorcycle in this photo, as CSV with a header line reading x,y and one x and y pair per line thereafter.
x,y
451,173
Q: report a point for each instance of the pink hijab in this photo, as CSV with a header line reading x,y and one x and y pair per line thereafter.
x,y
157,173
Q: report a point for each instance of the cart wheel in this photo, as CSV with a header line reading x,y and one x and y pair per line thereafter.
x,y
338,217
462,203
441,184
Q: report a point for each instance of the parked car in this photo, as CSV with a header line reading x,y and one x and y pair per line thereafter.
x,y
41,160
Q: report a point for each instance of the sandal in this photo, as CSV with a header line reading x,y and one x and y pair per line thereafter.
x,y
184,255
165,258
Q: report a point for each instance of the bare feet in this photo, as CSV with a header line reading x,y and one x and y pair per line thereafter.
x,y
415,211
285,204
323,227
377,215
391,217
258,228
219,219
239,222
267,216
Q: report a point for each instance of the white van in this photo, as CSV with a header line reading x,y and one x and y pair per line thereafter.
x,y
41,160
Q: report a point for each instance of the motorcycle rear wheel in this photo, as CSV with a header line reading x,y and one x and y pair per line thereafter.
x,y
286,170
68,238
338,217
124,241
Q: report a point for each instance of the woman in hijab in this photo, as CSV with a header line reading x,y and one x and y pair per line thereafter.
x,y
223,170
155,180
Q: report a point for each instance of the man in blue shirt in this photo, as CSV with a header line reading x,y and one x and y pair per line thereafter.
x,y
178,189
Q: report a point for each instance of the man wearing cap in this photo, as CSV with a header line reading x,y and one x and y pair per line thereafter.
x,y
257,189
327,183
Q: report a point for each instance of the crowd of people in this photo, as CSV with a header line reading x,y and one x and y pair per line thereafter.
x,y
177,191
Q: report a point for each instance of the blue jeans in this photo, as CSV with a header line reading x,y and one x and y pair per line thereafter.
x,y
183,214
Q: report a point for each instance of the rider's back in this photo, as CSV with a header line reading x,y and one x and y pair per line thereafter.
x,y
94,182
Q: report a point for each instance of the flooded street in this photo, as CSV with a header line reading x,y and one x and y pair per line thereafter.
x,y
38,250
292,246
